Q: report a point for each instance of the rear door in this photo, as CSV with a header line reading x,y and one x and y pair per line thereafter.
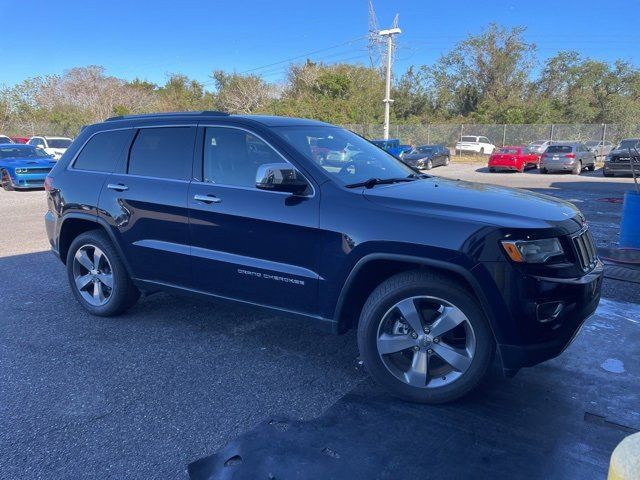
x,y
249,244
145,203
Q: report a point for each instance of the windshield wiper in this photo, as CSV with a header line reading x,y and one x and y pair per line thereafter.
x,y
372,182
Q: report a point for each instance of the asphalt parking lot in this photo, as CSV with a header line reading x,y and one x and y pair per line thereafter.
x,y
176,379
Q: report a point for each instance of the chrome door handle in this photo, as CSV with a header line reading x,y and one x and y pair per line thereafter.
x,y
207,198
117,187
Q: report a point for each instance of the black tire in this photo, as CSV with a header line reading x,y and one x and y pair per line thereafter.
x,y
544,171
481,150
413,283
605,173
124,293
429,165
6,181
447,161
492,170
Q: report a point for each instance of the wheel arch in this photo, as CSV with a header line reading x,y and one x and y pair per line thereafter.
x,y
76,224
374,268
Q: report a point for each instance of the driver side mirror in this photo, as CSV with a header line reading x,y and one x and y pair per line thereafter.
x,y
280,177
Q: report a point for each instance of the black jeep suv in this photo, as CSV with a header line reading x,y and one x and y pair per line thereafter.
x,y
437,275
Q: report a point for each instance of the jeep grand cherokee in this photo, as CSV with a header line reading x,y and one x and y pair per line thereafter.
x,y
436,275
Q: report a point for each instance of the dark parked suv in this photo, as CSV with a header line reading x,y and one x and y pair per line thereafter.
x,y
436,275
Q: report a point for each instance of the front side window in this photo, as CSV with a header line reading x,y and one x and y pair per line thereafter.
x,y
163,152
232,156
352,159
104,150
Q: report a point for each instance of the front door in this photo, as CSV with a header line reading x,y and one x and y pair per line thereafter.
x,y
249,244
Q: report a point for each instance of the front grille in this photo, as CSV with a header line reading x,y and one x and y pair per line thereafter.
x,y
585,250
624,159
39,170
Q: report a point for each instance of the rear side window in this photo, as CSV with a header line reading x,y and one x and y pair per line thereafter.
x,y
165,152
104,151
559,149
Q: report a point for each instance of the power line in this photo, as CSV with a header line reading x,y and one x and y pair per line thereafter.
x,y
305,54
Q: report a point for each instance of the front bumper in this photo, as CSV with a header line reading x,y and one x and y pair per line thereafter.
x,y
620,168
27,180
529,334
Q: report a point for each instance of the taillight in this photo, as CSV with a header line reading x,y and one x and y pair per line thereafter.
x,y
570,155
48,184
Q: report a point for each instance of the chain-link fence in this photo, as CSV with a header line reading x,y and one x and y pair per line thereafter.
x,y
500,135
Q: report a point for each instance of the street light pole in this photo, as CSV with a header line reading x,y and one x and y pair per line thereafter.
x,y
387,98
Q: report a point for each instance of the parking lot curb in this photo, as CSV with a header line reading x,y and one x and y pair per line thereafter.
x,y
625,459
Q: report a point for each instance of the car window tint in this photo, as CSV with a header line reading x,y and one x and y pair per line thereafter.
x,y
163,152
104,150
559,149
232,156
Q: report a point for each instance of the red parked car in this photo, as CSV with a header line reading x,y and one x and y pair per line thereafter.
x,y
513,158
20,139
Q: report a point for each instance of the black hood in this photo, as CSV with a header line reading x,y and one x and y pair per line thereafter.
x,y
477,202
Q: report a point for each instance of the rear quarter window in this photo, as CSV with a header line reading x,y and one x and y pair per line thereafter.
x,y
163,152
104,150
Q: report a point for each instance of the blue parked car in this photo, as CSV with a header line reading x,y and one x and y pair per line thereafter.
x,y
23,166
391,145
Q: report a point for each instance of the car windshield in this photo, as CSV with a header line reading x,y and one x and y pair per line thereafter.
x,y
538,143
22,152
365,162
592,143
508,151
560,149
469,139
630,143
5,140
58,142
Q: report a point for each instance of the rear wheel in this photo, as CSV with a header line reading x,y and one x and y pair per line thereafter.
x,y
523,166
97,276
7,185
429,165
481,150
492,170
447,160
424,338
577,168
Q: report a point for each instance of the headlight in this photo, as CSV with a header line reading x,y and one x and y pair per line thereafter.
x,y
532,251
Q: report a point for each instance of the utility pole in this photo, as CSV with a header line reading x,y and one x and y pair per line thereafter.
x,y
387,98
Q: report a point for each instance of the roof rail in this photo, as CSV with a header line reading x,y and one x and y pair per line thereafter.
x,y
168,114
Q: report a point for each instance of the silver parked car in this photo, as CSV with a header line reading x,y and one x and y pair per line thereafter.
x,y
538,147
599,147
567,157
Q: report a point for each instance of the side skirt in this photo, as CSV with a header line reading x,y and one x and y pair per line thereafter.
x,y
149,287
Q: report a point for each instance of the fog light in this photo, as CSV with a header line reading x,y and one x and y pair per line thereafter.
x,y
548,312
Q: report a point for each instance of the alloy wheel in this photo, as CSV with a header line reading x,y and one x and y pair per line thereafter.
x,y
93,275
426,342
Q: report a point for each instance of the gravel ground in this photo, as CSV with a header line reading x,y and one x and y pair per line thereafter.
x,y
142,395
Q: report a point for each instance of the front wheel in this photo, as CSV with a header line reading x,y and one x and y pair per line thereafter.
x,y
7,185
429,165
97,276
446,161
425,338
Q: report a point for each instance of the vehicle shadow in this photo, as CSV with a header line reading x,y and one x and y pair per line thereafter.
x,y
525,427
137,391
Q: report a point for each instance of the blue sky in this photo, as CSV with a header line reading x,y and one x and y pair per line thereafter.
x,y
150,39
